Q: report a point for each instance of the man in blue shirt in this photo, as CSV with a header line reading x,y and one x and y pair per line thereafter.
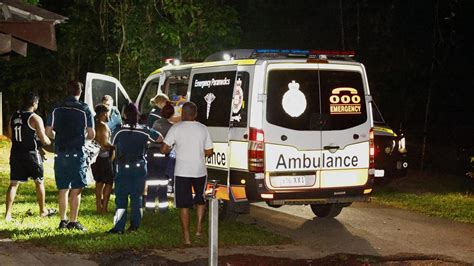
x,y
130,141
115,120
70,124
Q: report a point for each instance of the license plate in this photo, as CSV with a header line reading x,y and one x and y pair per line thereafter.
x,y
379,173
293,181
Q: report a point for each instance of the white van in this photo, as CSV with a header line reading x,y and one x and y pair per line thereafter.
x,y
289,126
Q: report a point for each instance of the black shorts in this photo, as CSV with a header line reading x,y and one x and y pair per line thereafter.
x,y
26,165
102,170
183,191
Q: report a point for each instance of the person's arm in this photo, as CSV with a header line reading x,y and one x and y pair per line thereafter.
x,y
208,150
90,133
165,148
169,141
37,124
50,126
90,125
9,130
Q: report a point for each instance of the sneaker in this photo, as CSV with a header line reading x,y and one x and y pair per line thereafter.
x,y
115,231
63,224
76,226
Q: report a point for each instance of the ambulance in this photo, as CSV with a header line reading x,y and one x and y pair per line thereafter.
x,y
290,127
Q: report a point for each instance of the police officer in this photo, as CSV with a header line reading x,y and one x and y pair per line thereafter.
x,y
27,131
130,141
70,124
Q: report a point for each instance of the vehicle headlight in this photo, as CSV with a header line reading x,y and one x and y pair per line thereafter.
x,y
401,144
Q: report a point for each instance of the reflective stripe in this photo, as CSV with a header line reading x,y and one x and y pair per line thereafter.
x,y
118,215
150,204
163,204
157,182
158,155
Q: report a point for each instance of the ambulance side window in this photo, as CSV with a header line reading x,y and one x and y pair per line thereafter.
x,y
240,100
151,90
101,88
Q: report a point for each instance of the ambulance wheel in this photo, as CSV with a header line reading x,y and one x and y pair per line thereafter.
x,y
276,206
226,210
326,210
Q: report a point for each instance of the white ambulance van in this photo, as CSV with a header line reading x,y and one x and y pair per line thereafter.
x,y
289,126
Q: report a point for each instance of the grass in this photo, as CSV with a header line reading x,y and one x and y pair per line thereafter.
x,y
158,231
433,194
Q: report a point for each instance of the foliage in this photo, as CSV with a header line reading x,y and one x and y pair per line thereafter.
x,y
433,194
157,230
124,38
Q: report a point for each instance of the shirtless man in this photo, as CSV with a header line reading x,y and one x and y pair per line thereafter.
x,y
28,133
102,168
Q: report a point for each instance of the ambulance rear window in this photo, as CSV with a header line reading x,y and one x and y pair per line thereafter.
x,y
342,99
212,93
308,99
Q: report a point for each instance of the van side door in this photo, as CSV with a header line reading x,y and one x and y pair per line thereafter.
x,y
98,85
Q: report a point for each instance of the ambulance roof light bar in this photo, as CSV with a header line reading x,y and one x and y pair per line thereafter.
x,y
319,54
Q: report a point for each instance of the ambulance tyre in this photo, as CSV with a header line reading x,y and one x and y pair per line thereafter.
x,y
276,206
326,210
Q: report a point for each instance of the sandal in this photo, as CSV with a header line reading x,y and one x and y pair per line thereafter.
x,y
49,212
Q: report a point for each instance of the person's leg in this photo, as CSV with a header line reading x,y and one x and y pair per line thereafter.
x,y
40,197
184,217
106,196
121,202
63,202
99,188
200,211
11,193
135,202
75,204
199,185
184,201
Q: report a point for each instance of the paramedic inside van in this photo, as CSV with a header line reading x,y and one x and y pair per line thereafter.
x,y
158,102
192,143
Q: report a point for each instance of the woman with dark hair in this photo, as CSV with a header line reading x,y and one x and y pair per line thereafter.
x,y
130,141
161,167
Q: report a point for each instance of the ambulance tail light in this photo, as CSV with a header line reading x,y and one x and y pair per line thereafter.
x,y
256,150
371,149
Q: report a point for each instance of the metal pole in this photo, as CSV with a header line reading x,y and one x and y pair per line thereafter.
x,y
213,228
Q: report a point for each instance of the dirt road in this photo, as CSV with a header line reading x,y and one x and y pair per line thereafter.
x,y
369,229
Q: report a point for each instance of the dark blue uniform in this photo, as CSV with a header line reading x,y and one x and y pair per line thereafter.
x,y
69,120
131,166
25,160
153,116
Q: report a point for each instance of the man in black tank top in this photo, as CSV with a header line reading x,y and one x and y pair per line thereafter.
x,y
28,134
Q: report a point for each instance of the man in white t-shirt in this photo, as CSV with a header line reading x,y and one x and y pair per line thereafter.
x,y
192,143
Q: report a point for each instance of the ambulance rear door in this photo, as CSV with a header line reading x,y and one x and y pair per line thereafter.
x,y
211,89
291,127
345,126
98,85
